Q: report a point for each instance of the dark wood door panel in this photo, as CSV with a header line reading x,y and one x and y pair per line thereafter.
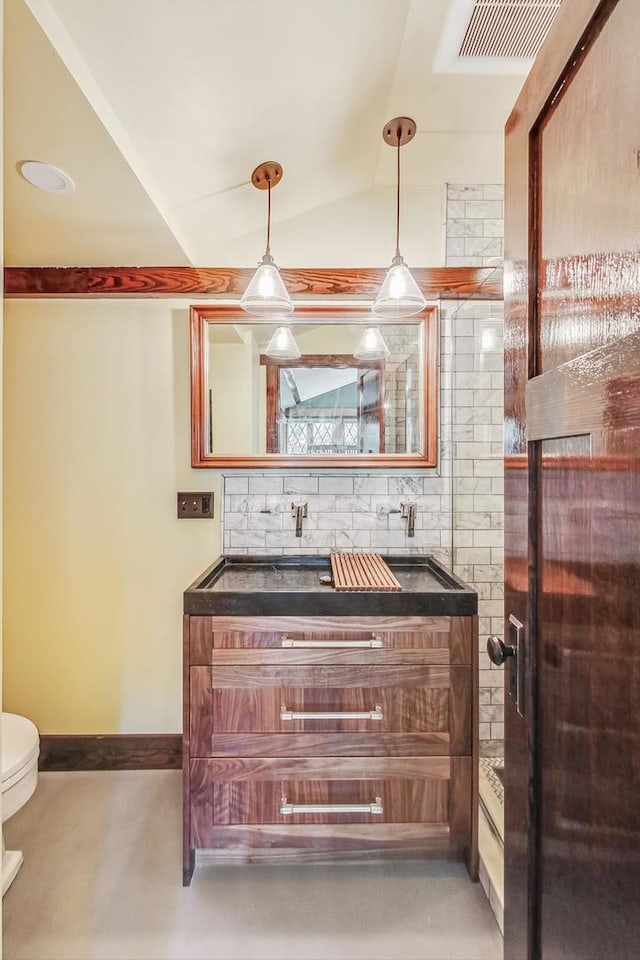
x,y
589,666
572,208
590,210
600,390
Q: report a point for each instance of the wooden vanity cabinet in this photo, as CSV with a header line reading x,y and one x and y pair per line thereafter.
x,y
324,739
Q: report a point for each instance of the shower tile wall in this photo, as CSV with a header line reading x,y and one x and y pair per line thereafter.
x,y
475,237
478,488
475,224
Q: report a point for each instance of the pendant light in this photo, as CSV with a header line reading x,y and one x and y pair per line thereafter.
x,y
400,295
266,295
371,346
283,346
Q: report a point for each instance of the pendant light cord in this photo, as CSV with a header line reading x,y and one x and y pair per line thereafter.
x,y
268,250
398,200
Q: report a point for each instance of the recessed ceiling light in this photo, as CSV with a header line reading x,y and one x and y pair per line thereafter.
x,y
46,177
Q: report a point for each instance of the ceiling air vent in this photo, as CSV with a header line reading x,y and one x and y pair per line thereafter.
x,y
493,36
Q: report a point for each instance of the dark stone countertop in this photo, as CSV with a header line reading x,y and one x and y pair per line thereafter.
x,y
290,586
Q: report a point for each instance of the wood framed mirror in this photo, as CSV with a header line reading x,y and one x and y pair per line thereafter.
x,y
324,408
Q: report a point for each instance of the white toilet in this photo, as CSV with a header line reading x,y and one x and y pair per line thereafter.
x,y
20,749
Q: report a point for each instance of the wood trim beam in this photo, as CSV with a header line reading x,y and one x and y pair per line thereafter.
x,y
42,282
146,751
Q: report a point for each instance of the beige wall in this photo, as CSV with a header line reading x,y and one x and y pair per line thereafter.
x,y
96,446
231,367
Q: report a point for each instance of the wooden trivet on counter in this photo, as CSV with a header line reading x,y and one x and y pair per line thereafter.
x,y
361,571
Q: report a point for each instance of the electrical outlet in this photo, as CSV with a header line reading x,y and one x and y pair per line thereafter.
x,y
195,505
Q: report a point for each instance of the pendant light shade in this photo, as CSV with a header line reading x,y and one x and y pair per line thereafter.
x,y
400,295
371,346
283,346
266,295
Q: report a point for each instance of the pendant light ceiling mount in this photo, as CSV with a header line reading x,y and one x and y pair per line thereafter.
x,y
267,174
399,131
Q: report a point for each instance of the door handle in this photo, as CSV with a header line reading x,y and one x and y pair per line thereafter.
x,y
513,652
499,651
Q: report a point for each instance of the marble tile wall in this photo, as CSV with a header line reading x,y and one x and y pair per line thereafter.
x,y
345,512
475,237
475,224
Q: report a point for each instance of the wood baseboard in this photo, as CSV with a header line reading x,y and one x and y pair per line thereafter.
x,y
146,751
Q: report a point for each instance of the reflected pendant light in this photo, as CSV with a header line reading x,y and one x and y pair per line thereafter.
x,y
371,346
266,295
283,346
400,295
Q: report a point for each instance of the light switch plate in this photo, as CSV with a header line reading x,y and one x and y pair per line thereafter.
x,y
195,506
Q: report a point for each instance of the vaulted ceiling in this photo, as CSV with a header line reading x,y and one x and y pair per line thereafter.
x,y
159,110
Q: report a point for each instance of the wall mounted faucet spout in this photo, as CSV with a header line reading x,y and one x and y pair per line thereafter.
x,y
299,511
408,511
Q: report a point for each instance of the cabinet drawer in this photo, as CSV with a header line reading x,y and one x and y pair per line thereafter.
x,y
325,791
287,640
299,700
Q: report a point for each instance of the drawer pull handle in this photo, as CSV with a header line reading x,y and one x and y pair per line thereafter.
x,y
373,643
376,714
287,809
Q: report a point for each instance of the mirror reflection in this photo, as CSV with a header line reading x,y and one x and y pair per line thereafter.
x,y
315,408
314,387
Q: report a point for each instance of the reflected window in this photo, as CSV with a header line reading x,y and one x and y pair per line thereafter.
x,y
325,404
338,435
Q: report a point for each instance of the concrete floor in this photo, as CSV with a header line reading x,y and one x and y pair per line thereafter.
x,y
101,881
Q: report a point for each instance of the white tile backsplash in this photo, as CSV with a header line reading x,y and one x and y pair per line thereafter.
x,y
335,484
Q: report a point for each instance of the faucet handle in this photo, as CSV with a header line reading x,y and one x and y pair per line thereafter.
x,y
299,511
408,509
